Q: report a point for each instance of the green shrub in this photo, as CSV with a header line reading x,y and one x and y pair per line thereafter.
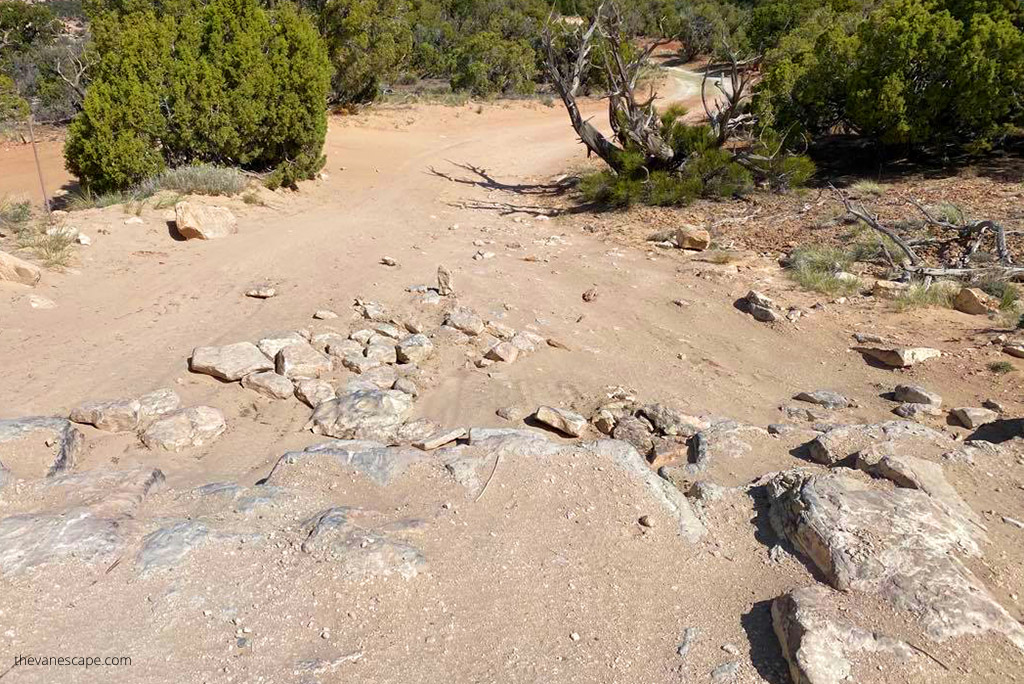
x,y
222,82
13,107
1006,292
1000,367
368,42
487,64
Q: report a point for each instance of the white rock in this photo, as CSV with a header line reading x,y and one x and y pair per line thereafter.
x,y
196,221
269,384
185,428
230,362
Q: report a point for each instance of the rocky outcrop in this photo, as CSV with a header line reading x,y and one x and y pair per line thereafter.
x,y
899,544
818,644
185,429
362,414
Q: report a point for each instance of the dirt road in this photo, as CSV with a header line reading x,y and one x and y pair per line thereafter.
x,y
554,552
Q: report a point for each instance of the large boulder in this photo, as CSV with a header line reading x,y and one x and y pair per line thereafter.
x,y
230,362
843,441
15,270
899,544
202,222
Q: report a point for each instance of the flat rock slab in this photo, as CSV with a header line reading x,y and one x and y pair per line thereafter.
x,y
122,415
362,414
313,392
915,394
899,544
271,344
439,439
826,398
29,541
185,429
230,362
377,461
25,452
301,361
361,552
972,417
819,643
269,384
900,357
839,443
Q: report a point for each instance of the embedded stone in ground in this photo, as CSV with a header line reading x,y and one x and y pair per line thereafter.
x,y
230,362
184,429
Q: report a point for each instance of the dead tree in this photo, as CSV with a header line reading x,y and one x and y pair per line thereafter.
x,y
634,121
730,116
968,236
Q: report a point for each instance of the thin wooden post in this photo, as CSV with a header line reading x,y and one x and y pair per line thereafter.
x,y
39,167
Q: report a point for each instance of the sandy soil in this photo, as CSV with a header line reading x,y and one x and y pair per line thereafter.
x,y
554,550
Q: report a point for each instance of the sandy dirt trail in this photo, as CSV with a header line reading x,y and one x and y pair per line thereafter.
x,y
554,550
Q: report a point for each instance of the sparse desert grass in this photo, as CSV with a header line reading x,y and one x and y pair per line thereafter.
x,y
816,268
87,199
920,295
14,213
868,187
1000,367
49,244
1006,292
200,179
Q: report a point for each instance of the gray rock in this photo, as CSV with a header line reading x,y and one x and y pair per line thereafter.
x,y
563,420
301,361
382,353
690,635
30,541
726,672
817,643
668,421
414,349
122,415
269,384
439,439
527,341
22,442
898,544
184,429
362,414
891,461
231,362
971,417
465,320
168,546
157,403
321,341
361,552
838,443
406,385
313,392
900,357
381,463
381,377
915,394
342,348
272,344
636,432
357,363
916,411
826,398
362,336
760,307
